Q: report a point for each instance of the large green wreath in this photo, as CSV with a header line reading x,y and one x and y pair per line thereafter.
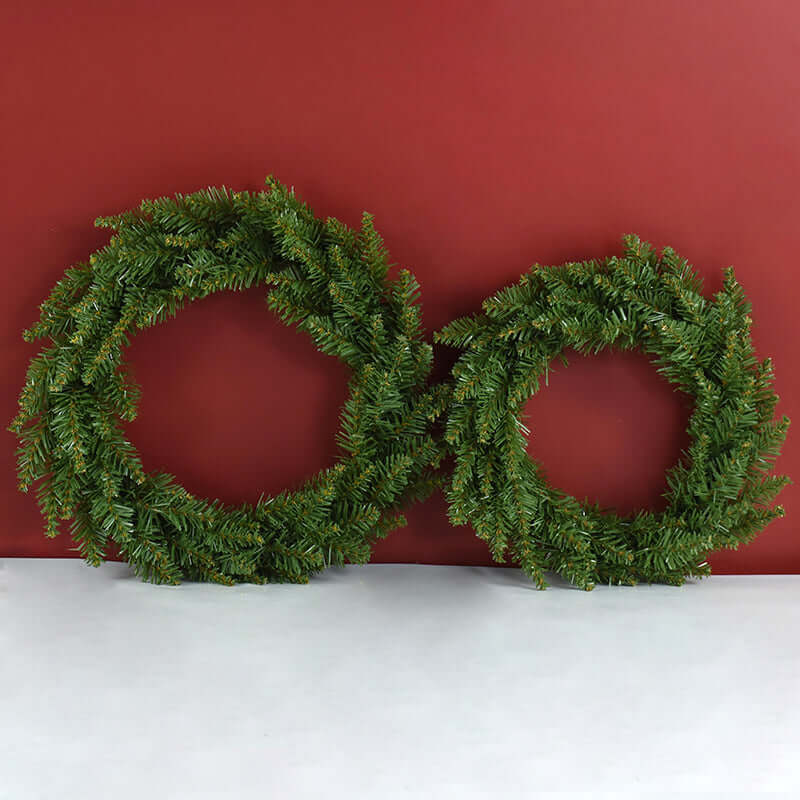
x,y
718,495
325,277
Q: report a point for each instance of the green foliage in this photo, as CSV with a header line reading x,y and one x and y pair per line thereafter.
x,y
718,496
328,280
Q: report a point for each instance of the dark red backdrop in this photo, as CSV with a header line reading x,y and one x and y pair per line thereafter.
x,y
483,136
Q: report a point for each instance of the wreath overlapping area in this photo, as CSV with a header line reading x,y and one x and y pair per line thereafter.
x,y
332,282
718,494
328,279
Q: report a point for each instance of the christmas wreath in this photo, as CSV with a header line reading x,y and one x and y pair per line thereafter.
x,y
328,279
718,494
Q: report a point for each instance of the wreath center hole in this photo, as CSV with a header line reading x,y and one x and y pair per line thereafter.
x,y
607,429
234,402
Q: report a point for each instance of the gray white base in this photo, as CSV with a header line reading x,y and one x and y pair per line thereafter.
x,y
393,681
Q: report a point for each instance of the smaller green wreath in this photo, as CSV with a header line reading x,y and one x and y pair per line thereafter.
x,y
329,280
718,495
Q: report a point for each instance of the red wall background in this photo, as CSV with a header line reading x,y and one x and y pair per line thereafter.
x,y
484,136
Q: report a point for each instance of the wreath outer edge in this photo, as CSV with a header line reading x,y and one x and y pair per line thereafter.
x,y
324,277
719,494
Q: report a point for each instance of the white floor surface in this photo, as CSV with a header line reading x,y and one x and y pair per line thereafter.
x,y
393,681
